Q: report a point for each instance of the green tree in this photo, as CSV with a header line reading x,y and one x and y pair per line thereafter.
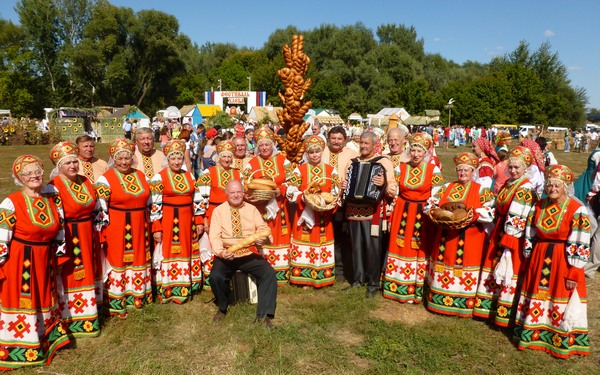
x,y
40,21
17,85
404,37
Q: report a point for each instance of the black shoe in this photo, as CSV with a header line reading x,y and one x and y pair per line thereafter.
x,y
340,279
267,322
219,315
371,293
356,284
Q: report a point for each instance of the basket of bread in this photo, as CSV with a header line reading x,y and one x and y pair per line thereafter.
x,y
260,189
320,200
451,216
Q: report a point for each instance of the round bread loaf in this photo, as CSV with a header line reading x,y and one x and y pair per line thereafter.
x,y
328,197
259,186
453,206
443,215
459,214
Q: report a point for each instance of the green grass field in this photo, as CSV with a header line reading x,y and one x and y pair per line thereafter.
x,y
326,331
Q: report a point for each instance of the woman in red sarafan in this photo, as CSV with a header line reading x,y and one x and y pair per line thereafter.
x,y
124,197
312,260
175,217
31,245
79,299
501,267
267,163
406,264
456,255
552,309
211,185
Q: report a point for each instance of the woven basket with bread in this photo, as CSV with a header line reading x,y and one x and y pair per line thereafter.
x,y
451,216
320,200
260,189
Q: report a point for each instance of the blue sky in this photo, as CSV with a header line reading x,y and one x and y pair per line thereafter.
x,y
458,30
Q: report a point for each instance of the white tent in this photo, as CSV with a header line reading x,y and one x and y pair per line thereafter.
x,y
172,112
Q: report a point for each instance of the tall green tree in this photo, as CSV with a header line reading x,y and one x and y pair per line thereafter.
x,y
17,83
39,19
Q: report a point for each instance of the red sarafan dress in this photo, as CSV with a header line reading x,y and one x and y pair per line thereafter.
x,y
31,330
406,264
312,260
80,299
278,168
513,204
123,221
211,185
175,212
549,316
456,254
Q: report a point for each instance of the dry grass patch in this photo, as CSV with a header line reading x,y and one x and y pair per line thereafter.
x,y
405,313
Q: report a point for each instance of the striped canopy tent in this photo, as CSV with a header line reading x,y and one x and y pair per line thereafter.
x,y
355,116
330,120
416,120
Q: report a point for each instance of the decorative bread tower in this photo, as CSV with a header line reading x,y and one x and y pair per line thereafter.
x,y
294,105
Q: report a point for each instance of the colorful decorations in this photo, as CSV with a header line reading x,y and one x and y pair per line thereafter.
x,y
62,150
121,144
314,141
559,172
466,158
174,145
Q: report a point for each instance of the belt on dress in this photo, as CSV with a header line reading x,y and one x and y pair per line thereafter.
x,y
177,205
89,218
414,201
128,209
32,243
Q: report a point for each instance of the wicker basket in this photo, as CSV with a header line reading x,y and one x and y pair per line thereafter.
x,y
454,224
260,195
316,205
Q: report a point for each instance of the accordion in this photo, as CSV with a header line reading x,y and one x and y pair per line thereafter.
x,y
360,189
242,288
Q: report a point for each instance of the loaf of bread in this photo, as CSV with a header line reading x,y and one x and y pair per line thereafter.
x,y
442,215
316,199
265,181
453,206
459,214
247,241
328,197
262,184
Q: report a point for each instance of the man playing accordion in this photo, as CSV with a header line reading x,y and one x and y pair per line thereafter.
x,y
365,215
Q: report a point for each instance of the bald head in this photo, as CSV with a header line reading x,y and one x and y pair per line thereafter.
x,y
235,193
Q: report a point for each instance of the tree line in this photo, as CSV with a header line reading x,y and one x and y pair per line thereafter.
x,y
87,53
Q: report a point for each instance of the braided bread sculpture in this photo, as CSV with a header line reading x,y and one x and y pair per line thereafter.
x,y
295,107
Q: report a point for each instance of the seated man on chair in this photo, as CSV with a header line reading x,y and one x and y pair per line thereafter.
x,y
231,222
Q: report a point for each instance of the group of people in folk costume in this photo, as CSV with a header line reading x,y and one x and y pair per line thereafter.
x,y
110,237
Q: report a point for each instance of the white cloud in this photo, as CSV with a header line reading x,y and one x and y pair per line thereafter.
x,y
437,39
579,68
548,33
